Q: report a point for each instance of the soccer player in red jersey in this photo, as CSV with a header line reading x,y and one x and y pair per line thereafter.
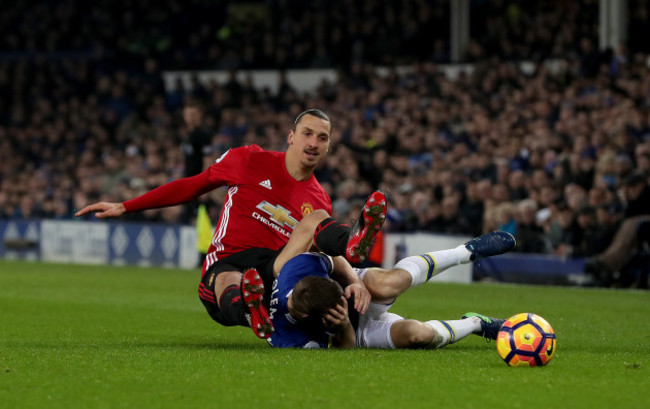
x,y
268,195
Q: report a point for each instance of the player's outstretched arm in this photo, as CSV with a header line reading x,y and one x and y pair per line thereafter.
x,y
103,210
170,194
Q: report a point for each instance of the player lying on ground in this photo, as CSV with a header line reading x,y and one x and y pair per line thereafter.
x,y
308,309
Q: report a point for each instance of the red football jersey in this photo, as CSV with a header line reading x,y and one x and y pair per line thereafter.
x,y
263,205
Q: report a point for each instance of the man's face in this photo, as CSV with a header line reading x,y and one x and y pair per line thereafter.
x,y
633,192
310,140
192,116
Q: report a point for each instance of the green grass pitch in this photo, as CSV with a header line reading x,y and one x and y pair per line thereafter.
x,y
121,337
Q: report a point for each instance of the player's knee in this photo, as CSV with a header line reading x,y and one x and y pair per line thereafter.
x,y
310,222
316,216
319,214
420,334
224,280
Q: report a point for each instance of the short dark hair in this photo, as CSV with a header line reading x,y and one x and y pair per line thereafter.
x,y
315,296
311,111
193,103
636,177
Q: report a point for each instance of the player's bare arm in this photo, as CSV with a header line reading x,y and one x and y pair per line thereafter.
x,y
103,210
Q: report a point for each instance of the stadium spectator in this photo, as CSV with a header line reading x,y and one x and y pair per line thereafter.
x,y
195,146
609,217
605,267
196,142
530,236
504,214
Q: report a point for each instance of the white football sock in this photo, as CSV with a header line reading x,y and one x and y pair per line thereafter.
x,y
448,332
423,267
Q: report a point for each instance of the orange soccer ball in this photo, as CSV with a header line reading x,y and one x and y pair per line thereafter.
x,y
526,339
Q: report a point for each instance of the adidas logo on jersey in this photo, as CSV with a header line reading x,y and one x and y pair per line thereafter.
x,y
266,183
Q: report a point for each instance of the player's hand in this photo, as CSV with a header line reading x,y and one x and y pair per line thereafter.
x,y
338,320
361,296
337,317
103,210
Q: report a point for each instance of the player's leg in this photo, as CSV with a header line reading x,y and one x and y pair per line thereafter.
x,y
252,290
386,285
302,239
338,239
232,298
379,328
436,334
490,326
240,301
390,331
451,331
220,293
331,237
226,280
423,267
412,334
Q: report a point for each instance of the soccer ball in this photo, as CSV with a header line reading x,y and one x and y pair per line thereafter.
x,y
526,339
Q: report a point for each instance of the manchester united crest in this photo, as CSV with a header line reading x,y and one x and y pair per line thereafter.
x,y
306,208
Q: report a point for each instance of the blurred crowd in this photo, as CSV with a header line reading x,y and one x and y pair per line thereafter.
x,y
246,34
559,155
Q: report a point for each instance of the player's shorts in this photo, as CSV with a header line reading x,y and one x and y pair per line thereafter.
x,y
260,258
373,329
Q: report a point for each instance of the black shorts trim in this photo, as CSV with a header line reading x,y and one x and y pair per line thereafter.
x,y
259,258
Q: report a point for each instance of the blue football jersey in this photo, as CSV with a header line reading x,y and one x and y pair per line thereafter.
x,y
287,333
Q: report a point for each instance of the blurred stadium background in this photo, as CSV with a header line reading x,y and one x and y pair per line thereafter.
x,y
528,116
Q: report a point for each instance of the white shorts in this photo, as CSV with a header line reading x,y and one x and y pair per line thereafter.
x,y
374,326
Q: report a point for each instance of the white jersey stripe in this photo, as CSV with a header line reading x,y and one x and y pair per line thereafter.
x,y
225,217
211,259
220,232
